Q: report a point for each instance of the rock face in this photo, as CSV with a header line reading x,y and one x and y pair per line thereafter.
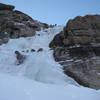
x,y
6,7
20,58
77,49
15,24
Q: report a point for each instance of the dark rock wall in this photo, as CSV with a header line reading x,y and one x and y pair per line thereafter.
x,y
15,24
77,49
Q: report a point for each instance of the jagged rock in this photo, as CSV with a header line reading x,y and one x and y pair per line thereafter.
x,y
20,58
6,7
18,24
32,50
77,49
40,49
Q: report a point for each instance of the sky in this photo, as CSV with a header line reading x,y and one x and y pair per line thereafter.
x,y
56,11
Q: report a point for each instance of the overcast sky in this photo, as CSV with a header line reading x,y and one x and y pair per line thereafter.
x,y
55,11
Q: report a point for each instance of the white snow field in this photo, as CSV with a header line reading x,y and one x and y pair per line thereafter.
x,y
39,77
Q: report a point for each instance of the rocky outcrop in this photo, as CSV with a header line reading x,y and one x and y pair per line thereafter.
x,y
77,49
15,24
20,57
79,31
6,7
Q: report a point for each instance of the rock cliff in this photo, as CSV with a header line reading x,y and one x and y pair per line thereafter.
x,y
15,24
77,49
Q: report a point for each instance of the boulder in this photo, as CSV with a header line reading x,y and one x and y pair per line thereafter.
x,y
40,49
20,57
32,50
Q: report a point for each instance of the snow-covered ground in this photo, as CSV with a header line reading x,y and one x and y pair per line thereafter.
x,y
39,77
20,88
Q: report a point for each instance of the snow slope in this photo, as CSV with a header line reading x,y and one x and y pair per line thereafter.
x,y
39,77
20,88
